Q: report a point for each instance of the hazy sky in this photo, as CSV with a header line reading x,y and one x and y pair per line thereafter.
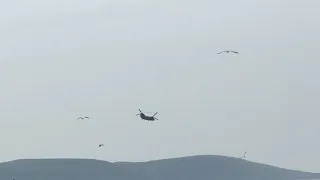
x,y
61,59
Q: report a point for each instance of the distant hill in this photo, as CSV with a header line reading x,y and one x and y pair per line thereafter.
x,y
63,169
213,167
203,167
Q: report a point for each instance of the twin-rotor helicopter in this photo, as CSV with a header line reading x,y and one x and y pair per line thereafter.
x,y
147,118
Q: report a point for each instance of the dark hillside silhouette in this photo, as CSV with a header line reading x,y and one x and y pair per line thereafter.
x,y
185,168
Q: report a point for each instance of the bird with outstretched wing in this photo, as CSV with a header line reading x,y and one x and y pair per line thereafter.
x,y
228,51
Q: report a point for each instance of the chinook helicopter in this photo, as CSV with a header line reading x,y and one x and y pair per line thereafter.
x,y
147,118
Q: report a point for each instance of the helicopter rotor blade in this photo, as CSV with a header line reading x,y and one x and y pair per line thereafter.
x,y
155,113
139,110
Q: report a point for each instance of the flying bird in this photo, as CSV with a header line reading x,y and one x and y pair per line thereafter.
x,y
83,118
228,51
100,145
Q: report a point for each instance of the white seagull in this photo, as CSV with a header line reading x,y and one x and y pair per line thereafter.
x,y
228,51
83,118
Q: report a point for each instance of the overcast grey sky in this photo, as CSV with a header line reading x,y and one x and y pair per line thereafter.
x,y
60,59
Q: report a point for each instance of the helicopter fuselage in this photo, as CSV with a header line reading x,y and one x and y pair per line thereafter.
x,y
148,118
